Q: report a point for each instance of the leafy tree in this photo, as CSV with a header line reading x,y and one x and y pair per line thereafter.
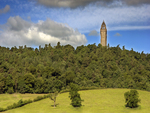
x,y
53,96
75,96
38,85
32,69
2,84
132,98
69,75
26,83
56,72
58,45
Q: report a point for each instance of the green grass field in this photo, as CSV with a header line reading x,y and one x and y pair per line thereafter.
x,y
95,101
9,99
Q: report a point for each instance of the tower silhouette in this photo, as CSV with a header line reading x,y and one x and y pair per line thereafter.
x,y
103,33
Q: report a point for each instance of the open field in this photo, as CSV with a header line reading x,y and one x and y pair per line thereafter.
x,y
9,99
95,101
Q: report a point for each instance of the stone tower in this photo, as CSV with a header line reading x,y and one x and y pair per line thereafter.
x,y
103,33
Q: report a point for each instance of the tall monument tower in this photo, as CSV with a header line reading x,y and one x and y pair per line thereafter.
x,y
103,33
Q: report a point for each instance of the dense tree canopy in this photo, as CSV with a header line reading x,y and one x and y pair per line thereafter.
x,y
28,70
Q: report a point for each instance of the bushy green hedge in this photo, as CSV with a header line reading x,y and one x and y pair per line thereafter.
x,y
40,98
1,109
21,103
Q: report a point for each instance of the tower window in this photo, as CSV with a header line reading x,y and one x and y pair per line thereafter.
x,y
103,27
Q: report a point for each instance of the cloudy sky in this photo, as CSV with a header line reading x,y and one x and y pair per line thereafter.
x,y
75,22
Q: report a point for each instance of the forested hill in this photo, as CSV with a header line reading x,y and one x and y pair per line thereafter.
x,y
26,70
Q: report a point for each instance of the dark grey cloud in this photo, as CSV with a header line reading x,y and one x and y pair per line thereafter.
x,y
18,32
136,2
78,3
70,3
117,34
5,9
93,33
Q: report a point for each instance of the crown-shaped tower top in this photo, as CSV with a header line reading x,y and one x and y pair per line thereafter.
x,y
103,33
103,26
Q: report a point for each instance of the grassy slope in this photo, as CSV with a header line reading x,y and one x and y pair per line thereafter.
x,y
9,99
95,101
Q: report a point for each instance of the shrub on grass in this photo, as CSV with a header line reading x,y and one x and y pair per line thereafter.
x,y
132,98
2,109
40,98
75,96
16,105
27,101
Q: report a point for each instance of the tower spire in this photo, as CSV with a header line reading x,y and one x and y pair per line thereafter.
x,y
103,33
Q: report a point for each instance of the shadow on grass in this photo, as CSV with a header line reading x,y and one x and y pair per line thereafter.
x,y
55,105
137,108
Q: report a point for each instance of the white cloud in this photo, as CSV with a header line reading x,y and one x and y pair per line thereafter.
x,y
117,16
92,16
117,34
5,9
93,33
18,32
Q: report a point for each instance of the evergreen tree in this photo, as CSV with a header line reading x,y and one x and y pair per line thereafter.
x,y
75,96
132,98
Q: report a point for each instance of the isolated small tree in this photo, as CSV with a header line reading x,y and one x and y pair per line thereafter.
x,y
132,98
75,96
53,96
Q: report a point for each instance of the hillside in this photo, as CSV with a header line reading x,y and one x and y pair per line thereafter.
x,y
95,101
9,99
26,70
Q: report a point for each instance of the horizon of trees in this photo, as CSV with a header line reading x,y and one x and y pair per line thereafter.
x,y
28,70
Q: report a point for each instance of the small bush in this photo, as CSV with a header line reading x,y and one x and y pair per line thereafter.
x,y
19,104
132,98
40,98
27,101
75,96
2,109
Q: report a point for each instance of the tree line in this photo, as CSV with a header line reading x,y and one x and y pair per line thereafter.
x,y
28,70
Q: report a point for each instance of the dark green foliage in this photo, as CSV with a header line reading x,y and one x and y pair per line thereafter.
x,y
2,109
25,70
16,105
75,96
40,98
27,101
132,98
69,75
26,83
39,82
